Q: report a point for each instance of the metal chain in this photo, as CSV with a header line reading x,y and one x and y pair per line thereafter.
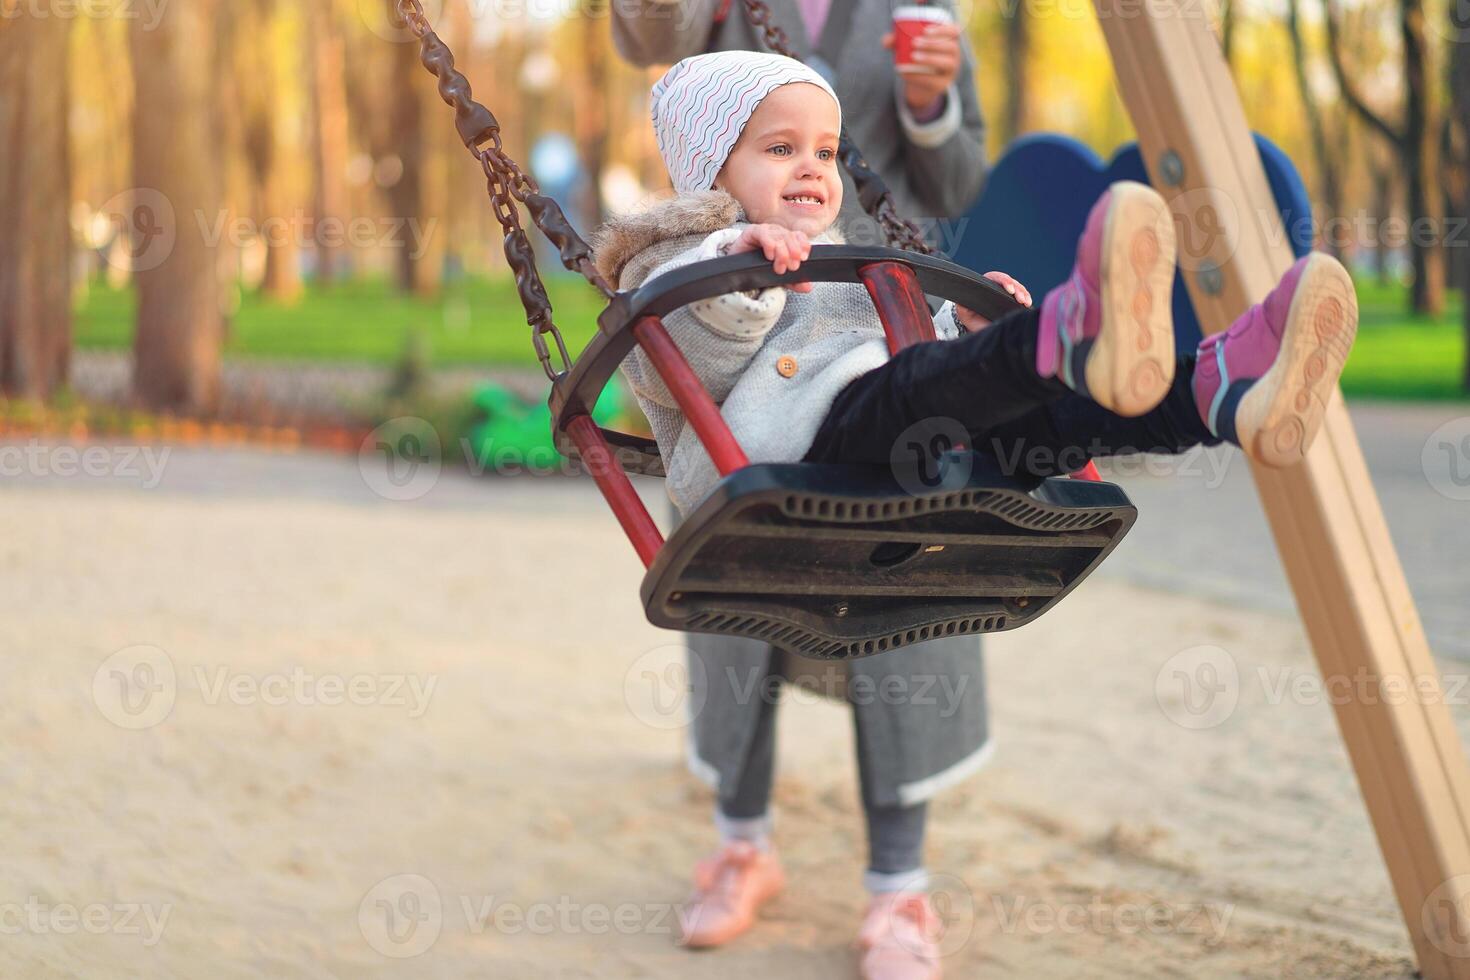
x,y
873,194
508,184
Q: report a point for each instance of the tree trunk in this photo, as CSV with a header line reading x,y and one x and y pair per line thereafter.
x,y
1381,176
329,143
1416,143
282,279
1228,15
1326,157
35,205
1452,162
418,267
1459,76
268,119
177,343
227,130
592,114
1421,163
1017,116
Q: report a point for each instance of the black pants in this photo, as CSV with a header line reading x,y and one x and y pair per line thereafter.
x,y
984,387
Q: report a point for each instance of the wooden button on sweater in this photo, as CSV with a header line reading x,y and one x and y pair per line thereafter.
x,y
786,366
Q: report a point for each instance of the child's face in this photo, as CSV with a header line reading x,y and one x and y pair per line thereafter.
x,y
783,170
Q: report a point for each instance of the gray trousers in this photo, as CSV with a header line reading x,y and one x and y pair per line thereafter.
x,y
919,713
895,833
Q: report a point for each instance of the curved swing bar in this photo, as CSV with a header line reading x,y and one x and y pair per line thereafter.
x,y
833,560
897,280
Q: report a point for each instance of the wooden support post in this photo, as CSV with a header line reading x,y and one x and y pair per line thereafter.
x,y
1324,513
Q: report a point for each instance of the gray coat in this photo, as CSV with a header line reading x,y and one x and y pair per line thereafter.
x,y
931,184
919,712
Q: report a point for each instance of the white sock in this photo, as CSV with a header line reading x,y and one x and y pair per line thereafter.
x,y
885,882
756,830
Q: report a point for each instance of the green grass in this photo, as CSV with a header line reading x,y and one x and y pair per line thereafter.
x,y
1400,356
479,321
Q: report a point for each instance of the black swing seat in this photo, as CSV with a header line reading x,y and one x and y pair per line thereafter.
x,y
839,561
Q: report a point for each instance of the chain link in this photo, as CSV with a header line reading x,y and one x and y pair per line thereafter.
x,y
508,185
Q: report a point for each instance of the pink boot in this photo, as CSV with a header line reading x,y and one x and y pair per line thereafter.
x,y
1108,332
729,887
1264,383
899,938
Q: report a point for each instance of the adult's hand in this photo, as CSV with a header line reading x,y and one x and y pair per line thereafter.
x,y
937,49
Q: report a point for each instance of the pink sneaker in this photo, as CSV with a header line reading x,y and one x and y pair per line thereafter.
x,y
729,887
1264,383
899,938
1108,332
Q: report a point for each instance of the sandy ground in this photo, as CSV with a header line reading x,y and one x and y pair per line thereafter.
x,y
274,735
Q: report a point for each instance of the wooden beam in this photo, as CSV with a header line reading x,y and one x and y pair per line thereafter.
x,y
1324,513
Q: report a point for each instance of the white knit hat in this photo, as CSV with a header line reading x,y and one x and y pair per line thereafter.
x,y
701,106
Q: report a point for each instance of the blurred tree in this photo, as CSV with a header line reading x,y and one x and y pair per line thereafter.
x,y
1453,164
272,63
1325,154
1017,118
1068,84
231,24
35,204
101,113
176,344
1460,114
591,105
329,138
1383,181
412,195
1416,142
1228,13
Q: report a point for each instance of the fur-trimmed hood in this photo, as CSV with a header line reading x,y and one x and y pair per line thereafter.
x,y
699,213
625,235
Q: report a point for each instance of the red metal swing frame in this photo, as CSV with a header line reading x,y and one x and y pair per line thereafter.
x,y
903,311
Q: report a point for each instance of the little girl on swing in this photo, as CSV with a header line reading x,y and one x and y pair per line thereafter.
x,y
804,373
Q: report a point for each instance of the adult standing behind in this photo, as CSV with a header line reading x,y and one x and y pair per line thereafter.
x,y
919,713
922,132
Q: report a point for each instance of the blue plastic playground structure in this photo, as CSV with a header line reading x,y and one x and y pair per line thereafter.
x,y
1035,202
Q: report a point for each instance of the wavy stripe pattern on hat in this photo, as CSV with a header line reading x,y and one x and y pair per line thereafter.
x,y
702,105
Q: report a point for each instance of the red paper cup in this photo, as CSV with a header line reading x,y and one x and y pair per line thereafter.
x,y
911,22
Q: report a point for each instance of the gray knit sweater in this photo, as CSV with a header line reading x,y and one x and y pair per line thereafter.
x,y
736,343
